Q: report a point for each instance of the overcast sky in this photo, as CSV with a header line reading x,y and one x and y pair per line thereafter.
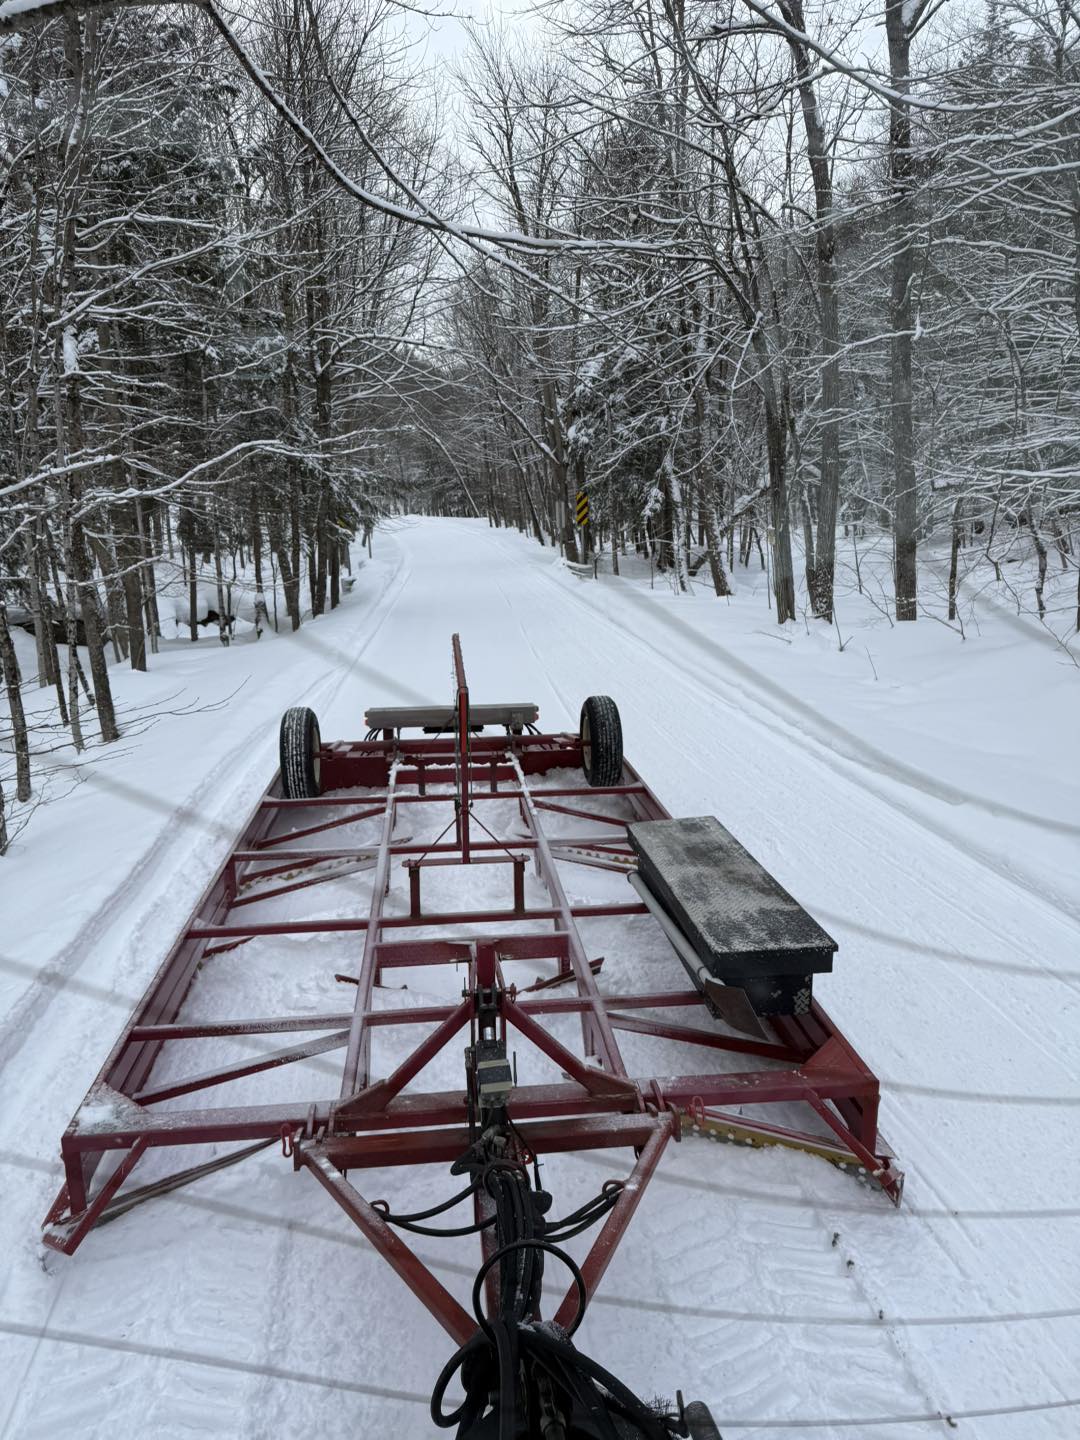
x,y
445,37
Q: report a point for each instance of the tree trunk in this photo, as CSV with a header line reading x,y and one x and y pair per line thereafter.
x,y
9,663
311,570
534,520
321,540
783,579
224,619
71,639
821,559
90,609
49,613
901,312
290,580
1040,552
674,519
335,569
714,551
261,616
148,579
954,554
37,613
109,567
128,553
559,470
193,593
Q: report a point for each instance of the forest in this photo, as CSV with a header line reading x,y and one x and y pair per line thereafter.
x,y
754,277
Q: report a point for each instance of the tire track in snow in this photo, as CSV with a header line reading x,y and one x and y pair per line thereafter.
x,y
171,847
849,745
941,834
173,842
1056,1354
775,1265
1031,1034
1026,970
866,757
260,1416
1044,1353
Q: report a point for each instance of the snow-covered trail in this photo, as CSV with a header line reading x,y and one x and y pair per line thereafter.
x,y
764,1282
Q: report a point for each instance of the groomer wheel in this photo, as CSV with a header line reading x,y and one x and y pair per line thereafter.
x,y
700,1423
301,766
601,741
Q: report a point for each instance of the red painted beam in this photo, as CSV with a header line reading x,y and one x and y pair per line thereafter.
x,y
389,954
67,1237
209,1078
407,1111
713,1039
444,1145
554,1005
620,1215
273,927
208,1029
454,1319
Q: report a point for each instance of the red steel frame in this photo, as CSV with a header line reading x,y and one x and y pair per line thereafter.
x,y
379,1122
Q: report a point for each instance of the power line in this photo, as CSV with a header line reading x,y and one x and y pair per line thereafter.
x,y
930,1417
202,1357
798,1202
854,1322
1028,970
230,1211
83,1339
939,1092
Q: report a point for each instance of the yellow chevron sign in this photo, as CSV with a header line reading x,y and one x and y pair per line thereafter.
x,y
581,513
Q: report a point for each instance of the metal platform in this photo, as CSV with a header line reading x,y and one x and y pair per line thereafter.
x,y
550,818
443,719
740,922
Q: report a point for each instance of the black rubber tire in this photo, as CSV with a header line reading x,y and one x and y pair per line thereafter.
x,y
601,741
701,1424
301,767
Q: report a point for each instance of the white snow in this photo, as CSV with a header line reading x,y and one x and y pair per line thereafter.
x,y
94,1116
927,817
71,350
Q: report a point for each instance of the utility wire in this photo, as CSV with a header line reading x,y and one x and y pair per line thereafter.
x,y
244,1213
84,1339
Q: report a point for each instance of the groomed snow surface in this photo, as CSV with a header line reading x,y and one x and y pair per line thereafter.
x,y
915,791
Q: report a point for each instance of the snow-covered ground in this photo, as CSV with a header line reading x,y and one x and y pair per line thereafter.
x,y
917,792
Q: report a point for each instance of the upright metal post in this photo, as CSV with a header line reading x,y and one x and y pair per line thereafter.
x,y
357,1056
462,801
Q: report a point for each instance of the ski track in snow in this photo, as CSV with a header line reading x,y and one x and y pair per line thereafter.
x,y
764,1282
565,587
172,845
835,742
